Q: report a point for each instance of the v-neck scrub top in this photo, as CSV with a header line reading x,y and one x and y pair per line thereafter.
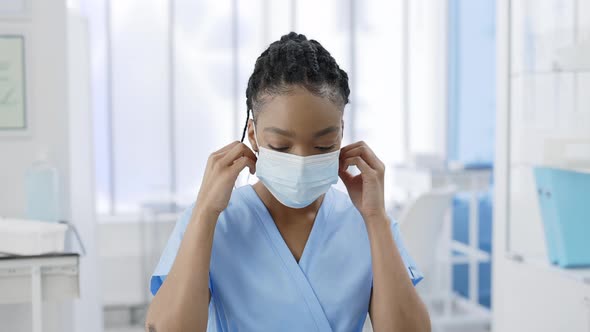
x,y
257,285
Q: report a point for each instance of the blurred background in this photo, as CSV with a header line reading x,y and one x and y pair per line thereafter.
x,y
479,108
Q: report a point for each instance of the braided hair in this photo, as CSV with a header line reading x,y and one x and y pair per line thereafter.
x,y
295,60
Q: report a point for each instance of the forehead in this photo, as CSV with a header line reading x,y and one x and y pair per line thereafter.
x,y
299,110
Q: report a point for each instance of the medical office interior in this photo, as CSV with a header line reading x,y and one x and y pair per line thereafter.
x,y
479,108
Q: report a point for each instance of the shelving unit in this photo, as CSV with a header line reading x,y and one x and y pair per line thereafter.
x,y
543,119
35,279
455,310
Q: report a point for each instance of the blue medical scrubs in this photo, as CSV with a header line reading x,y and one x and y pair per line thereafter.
x,y
257,285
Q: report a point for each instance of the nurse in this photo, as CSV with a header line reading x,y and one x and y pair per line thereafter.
x,y
289,253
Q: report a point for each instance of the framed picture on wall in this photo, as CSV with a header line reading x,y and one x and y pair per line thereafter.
x,y
14,99
15,9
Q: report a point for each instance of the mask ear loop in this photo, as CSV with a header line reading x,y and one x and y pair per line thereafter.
x,y
257,153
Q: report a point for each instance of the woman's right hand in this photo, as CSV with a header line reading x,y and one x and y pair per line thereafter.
x,y
223,168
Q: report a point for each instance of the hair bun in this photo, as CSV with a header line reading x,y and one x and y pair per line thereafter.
x,y
293,36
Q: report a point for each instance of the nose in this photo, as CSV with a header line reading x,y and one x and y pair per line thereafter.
x,y
303,150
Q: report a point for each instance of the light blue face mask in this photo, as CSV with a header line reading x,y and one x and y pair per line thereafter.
x,y
293,180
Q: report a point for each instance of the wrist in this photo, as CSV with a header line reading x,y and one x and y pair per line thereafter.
x,y
377,217
203,214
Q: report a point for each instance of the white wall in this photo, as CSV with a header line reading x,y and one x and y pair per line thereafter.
x,y
60,127
128,253
47,29
87,309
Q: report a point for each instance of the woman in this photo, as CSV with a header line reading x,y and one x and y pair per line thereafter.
x,y
289,253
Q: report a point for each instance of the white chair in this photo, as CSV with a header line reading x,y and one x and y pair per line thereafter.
x,y
427,239
421,224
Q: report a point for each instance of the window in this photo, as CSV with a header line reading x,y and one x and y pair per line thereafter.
x,y
169,80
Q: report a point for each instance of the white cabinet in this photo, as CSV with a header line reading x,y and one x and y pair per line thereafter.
x,y
541,298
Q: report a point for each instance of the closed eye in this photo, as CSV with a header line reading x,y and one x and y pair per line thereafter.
x,y
325,148
281,149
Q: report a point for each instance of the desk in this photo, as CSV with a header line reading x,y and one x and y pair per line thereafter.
x,y
35,279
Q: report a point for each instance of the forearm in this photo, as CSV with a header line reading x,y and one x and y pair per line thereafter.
x,y
395,304
182,302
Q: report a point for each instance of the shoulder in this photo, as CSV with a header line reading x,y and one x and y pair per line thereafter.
x,y
343,217
240,211
344,209
342,206
243,200
238,207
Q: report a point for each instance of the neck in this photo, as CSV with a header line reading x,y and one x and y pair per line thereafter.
x,y
278,210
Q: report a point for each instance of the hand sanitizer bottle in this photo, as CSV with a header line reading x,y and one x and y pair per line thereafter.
x,y
42,190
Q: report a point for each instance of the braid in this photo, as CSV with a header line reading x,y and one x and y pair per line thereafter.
x,y
246,125
295,60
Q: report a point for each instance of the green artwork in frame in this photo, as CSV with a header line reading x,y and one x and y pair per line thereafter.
x,y
13,108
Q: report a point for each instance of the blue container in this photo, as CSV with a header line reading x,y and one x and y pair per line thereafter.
x,y
565,208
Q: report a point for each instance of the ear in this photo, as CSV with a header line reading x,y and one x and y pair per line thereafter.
x,y
251,137
342,128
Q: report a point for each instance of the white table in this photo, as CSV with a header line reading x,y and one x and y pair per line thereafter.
x,y
34,279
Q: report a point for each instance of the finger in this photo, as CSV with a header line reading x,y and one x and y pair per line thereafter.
x,y
367,154
237,152
242,162
226,148
352,146
360,163
347,179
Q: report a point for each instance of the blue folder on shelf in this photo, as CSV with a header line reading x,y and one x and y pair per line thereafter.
x,y
564,199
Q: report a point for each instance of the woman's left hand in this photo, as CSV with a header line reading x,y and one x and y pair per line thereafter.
x,y
365,189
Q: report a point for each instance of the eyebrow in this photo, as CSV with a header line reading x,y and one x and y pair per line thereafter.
x,y
280,131
287,133
326,131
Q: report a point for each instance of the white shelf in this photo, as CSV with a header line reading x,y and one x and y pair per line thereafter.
x,y
573,58
572,168
467,253
578,274
59,275
555,71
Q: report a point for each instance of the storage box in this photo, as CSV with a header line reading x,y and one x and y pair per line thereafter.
x,y
564,197
31,237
